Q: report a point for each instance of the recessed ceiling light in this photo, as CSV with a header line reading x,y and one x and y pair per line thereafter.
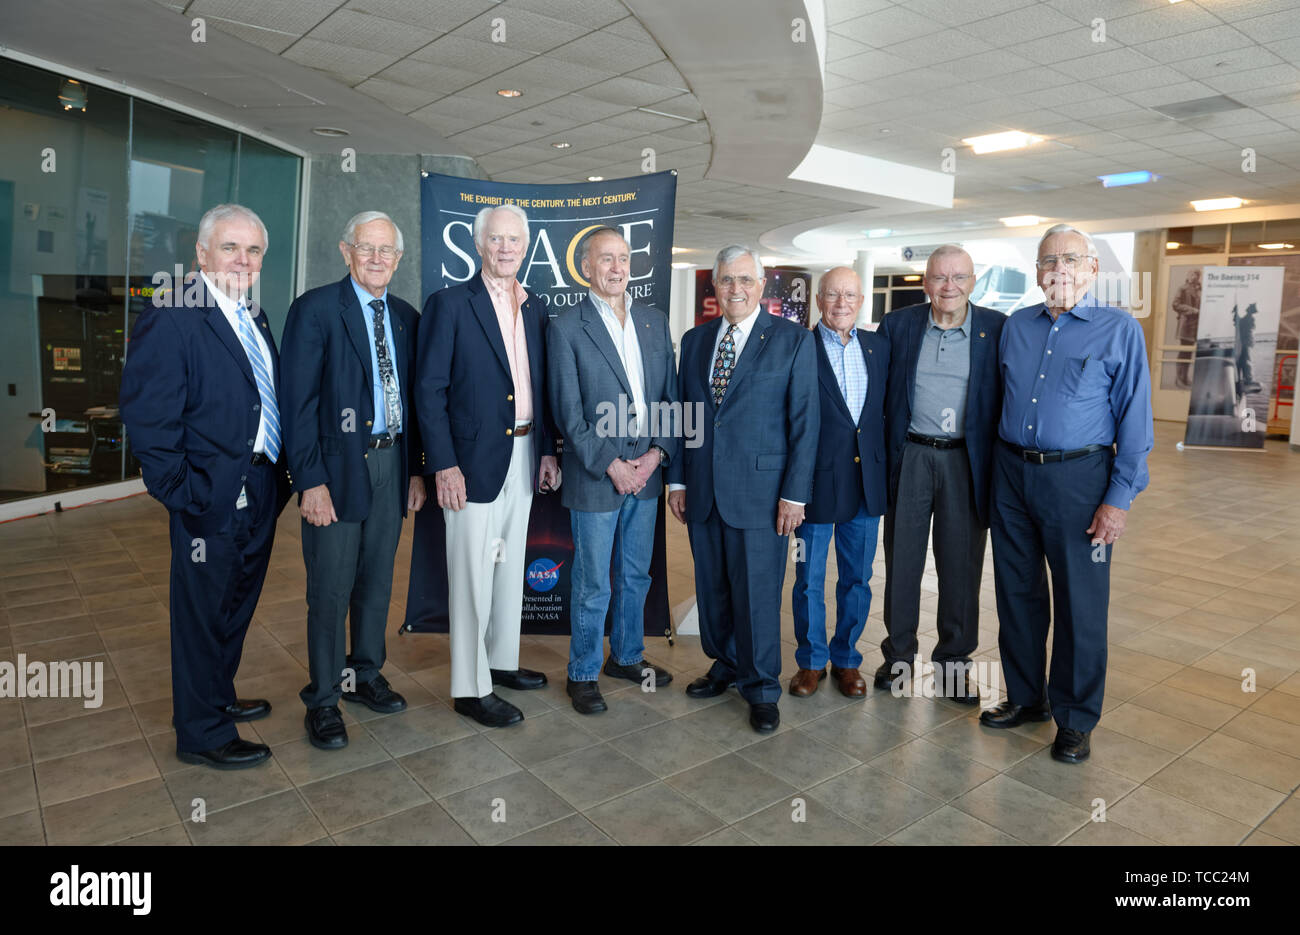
x,y
997,142
1172,245
561,144
878,232
595,178
1021,220
682,265
886,130
510,92
1118,179
1217,204
329,131
1277,246
911,279
681,249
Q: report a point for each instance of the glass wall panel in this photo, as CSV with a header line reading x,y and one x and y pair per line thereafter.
x,y
63,193
98,194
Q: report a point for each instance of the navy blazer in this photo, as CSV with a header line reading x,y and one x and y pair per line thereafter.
x,y
905,330
328,407
759,446
586,377
191,409
464,392
850,455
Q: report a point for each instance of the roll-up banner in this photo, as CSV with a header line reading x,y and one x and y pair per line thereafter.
x,y
1232,375
559,217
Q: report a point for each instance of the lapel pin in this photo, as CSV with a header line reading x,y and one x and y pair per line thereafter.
x,y
981,334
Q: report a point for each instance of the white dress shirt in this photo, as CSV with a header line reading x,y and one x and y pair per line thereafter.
x,y
629,353
230,308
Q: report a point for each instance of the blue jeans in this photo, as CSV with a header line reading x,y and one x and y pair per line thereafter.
x,y
628,535
855,550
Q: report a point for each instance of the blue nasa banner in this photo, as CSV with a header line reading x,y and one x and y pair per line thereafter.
x,y
559,217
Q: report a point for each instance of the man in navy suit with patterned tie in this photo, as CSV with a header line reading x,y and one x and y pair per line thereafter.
x,y
200,403
742,491
355,456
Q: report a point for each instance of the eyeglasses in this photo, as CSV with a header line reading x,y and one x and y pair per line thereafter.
x,y
743,281
367,250
833,297
1069,260
958,280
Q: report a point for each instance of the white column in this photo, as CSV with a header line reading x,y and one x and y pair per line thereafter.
x,y
865,267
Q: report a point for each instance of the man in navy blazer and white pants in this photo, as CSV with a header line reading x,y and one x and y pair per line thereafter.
x,y
848,494
200,403
613,383
944,401
481,400
354,452
742,492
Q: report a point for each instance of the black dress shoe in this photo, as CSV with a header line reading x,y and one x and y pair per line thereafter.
x,y
490,710
633,672
706,686
1071,746
884,677
250,709
377,696
521,680
962,689
1008,714
325,728
238,754
764,717
586,697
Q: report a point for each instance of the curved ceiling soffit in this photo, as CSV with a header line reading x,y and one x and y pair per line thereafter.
x,y
761,90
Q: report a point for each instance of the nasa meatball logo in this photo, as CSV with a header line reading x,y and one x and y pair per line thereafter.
x,y
542,575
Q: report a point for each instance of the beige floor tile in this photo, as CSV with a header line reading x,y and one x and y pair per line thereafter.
x,y
1022,811
362,796
505,808
935,770
461,764
803,822
222,789
587,777
654,814
999,749
948,827
667,748
1282,736
1216,790
23,829
1169,733
305,763
1280,705
17,791
92,731
275,819
1171,820
1127,756
1186,706
418,728
1242,758
874,800
1107,834
112,815
1079,784
423,825
83,774
731,787
1285,822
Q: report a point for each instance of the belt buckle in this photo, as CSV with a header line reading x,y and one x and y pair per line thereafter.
x,y
1042,457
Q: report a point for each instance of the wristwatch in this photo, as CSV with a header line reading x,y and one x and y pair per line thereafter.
x,y
663,455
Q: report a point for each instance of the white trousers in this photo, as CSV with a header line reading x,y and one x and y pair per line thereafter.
x,y
486,544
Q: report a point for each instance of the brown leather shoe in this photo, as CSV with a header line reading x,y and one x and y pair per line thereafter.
x,y
850,682
805,682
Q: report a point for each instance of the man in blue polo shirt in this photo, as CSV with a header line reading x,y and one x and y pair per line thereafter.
x,y
1073,441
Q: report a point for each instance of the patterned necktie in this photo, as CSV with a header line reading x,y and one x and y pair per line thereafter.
x,y
265,386
392,404
723,364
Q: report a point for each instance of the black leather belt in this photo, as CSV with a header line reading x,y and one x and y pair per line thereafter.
x,y
932,442
383,441
1042,457
260,458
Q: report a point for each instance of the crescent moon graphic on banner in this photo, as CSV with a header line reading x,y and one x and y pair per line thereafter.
x,y
573,245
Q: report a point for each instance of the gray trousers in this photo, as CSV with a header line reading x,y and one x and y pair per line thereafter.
x,y
350,567
936,484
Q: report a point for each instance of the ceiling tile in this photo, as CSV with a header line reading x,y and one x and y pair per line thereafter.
x,y
1194,44
339,58
296,18
373,33
1161,23
524,30
1269,77
609,52
629,92
443,16
1284,24
886,26
1034,22
592,14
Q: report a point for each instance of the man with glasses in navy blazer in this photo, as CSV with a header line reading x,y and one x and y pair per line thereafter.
x,y
848,494
355,455
744,489
944,400
200,401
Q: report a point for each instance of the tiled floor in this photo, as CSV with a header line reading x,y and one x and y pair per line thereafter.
x,y
1206,584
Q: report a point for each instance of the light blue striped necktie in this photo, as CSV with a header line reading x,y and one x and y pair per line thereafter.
x,y
265,387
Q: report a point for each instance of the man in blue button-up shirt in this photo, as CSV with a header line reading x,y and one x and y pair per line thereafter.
x,y
1074,436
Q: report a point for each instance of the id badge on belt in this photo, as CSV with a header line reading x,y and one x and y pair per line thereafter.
x,y
242,502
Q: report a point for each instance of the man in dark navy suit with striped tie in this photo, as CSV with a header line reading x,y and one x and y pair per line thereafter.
x,y
200,403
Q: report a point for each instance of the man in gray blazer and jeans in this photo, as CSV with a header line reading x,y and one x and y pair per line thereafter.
x,y
613,383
